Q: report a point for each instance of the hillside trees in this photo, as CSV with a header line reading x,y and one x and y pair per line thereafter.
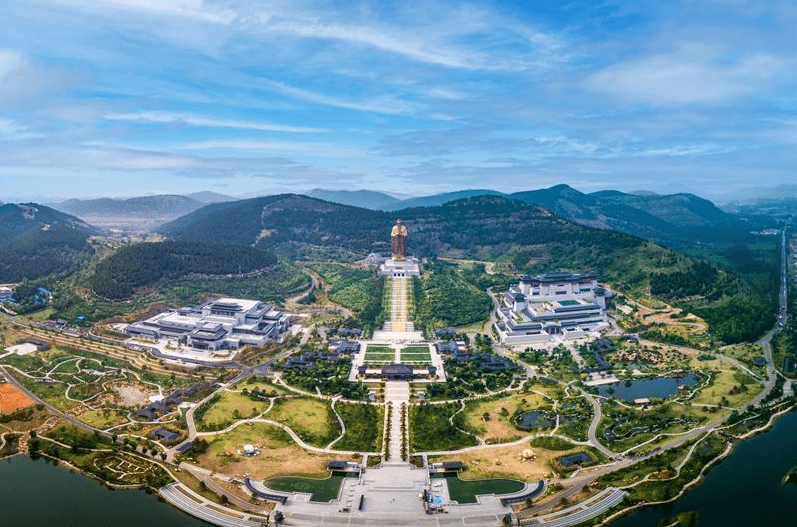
x,y
145,263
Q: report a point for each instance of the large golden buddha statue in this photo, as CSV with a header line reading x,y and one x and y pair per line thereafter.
x,y
398,241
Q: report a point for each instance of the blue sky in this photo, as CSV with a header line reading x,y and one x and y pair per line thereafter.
x,y
134,97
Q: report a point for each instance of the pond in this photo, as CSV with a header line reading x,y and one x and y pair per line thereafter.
x,y
322,490
534,420
465,491
660,387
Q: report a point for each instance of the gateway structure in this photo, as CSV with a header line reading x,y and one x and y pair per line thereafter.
x,y
227,323
553,305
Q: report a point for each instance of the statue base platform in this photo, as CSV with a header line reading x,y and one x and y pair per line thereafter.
x,y
408,267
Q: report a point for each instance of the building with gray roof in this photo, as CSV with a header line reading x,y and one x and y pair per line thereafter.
x,y
226,323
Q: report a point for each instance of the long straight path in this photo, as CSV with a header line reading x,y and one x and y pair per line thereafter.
x,y
398,322
397,397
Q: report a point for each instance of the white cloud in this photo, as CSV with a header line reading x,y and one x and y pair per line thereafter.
x,y
184,8
10,60
693,74
199,120
386,105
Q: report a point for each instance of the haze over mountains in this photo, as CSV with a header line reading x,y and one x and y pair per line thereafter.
x,y
670,219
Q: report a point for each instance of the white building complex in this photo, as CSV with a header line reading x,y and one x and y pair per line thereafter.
x,y
227,323
553,305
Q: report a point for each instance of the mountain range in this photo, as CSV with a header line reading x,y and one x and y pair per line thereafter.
x,y
669,219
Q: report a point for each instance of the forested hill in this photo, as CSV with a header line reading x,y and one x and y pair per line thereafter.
x,y
36,241
143,264
485,227
671,219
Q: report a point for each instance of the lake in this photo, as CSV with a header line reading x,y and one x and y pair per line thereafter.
x,y
36,492
745,489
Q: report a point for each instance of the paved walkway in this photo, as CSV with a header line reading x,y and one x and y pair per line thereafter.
x,y
397,397
184,498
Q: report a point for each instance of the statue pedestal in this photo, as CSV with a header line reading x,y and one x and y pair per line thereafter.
x,y
408,267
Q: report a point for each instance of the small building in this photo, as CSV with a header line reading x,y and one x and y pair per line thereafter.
x,y
579,458
448,347
345,346
642,401
397,372
445,333
447,466
166,435
759,361
249,450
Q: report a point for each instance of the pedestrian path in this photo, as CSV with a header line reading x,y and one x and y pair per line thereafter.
x,y
398,322
397,396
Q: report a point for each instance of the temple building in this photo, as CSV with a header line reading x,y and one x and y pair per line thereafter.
x,y
553,305
226,323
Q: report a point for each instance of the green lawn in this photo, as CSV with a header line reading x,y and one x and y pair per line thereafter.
x,y
378,348
311,419
380,357
415,349
233,406
416,357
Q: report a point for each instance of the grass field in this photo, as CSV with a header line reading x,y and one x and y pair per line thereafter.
x,y
380,357
230,403
311,419
415,349
378,348
279,455
99,419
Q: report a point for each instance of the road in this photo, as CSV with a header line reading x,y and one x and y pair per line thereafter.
x,y
51,408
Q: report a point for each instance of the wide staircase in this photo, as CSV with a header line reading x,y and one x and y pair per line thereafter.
x,y
398,322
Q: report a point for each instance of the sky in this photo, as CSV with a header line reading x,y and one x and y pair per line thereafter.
x,y
123,98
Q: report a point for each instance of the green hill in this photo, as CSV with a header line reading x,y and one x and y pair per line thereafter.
x,y
142,264
36,241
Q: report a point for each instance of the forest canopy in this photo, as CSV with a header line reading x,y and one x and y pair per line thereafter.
x,y
137,265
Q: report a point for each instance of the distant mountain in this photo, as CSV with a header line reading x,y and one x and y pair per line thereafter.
x,y
368,199
669,219
441,199
133,215
163,204
207,196
673,219
752,195
36,240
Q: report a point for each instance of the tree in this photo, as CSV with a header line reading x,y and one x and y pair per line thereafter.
x,y
279,517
